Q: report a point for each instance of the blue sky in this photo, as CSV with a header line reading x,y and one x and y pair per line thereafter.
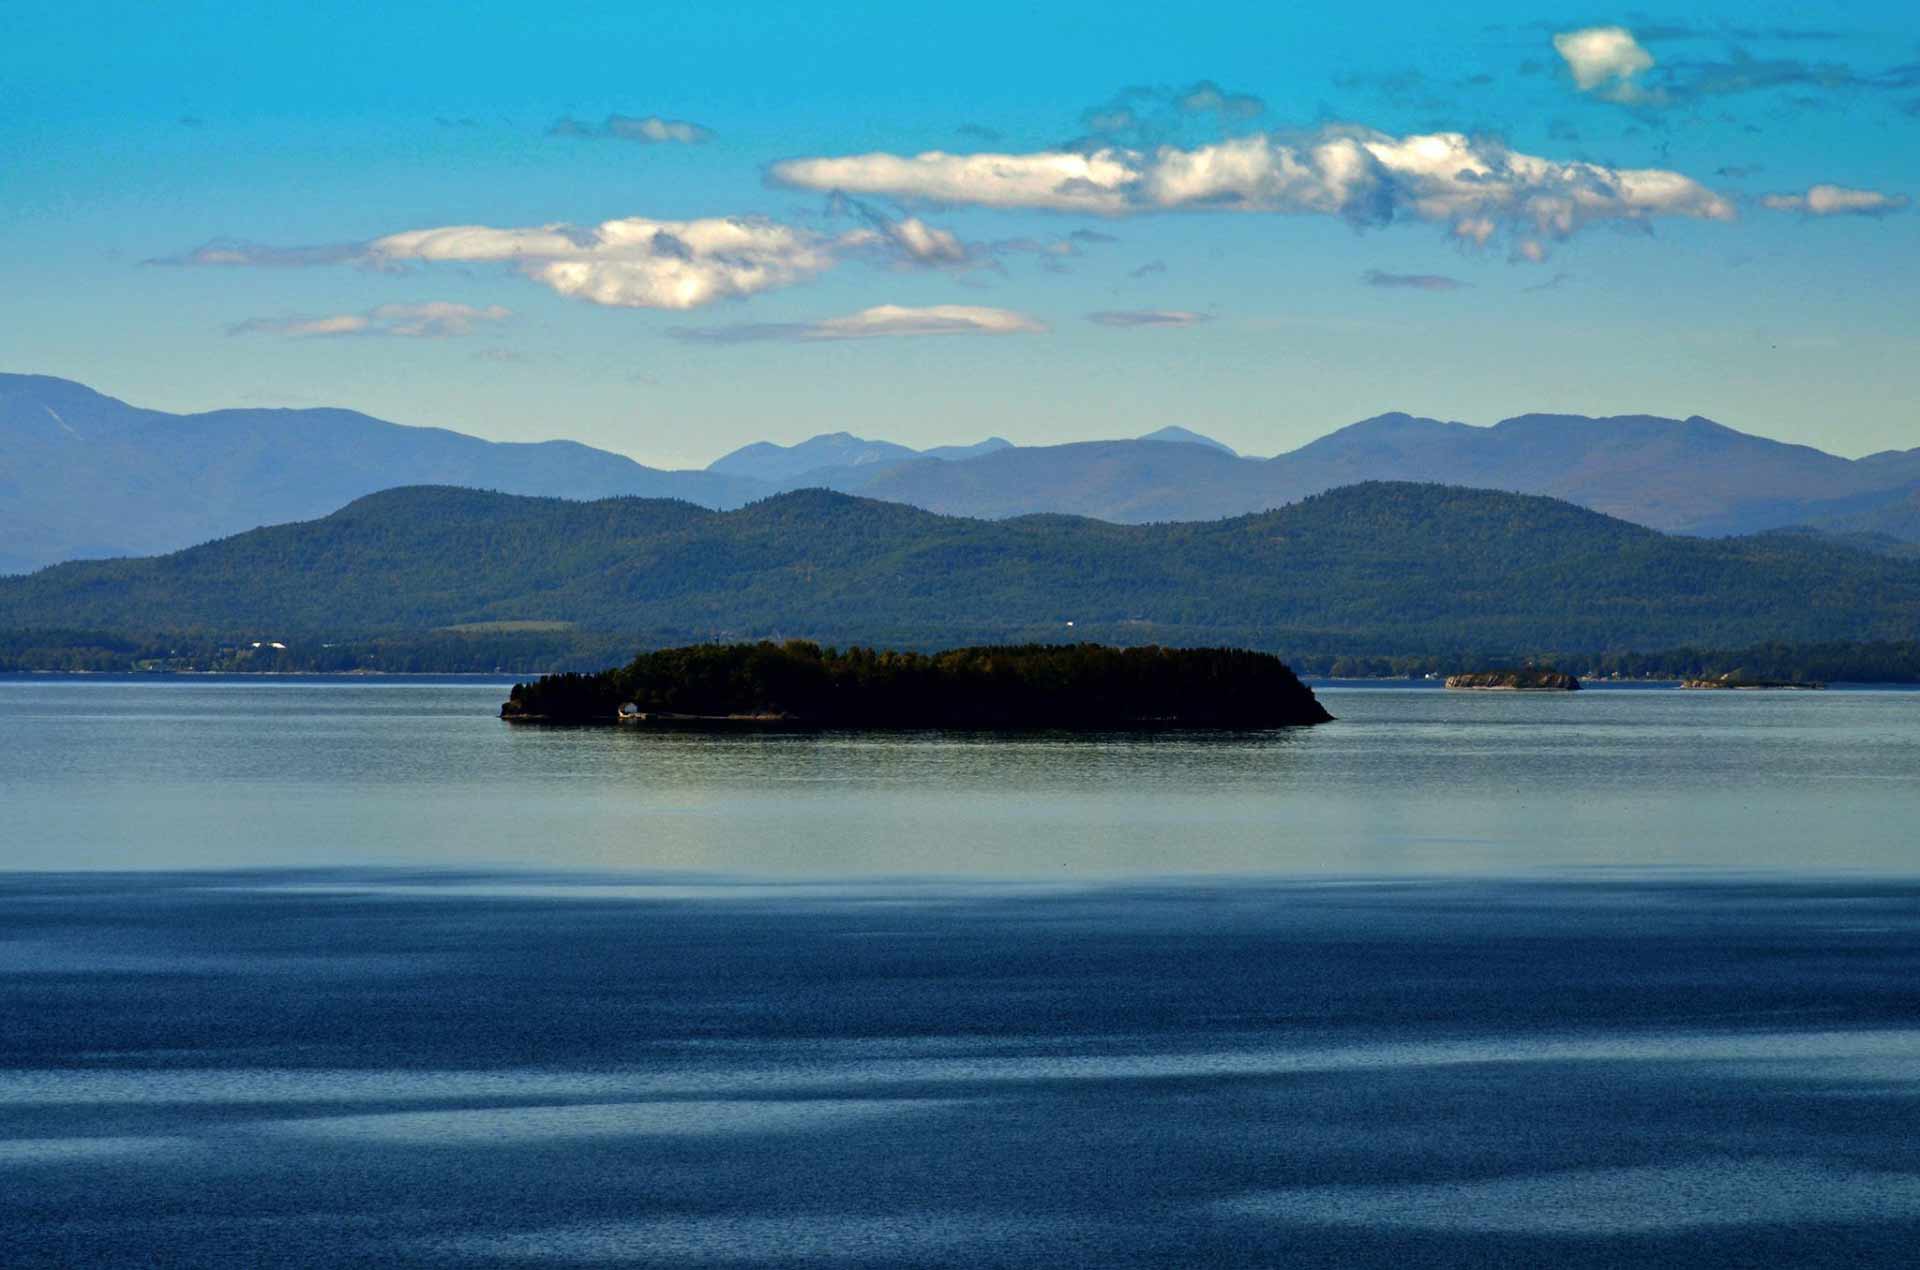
x,y
1255,221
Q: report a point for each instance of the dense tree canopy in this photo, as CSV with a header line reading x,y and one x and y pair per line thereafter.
x,y
1035,685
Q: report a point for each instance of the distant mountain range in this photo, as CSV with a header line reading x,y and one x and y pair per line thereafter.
x,y
84,475
1376,567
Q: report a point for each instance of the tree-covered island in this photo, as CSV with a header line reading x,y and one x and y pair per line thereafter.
x,y
1053,686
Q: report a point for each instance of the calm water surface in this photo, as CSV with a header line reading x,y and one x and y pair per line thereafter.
x,y
352,973
146,775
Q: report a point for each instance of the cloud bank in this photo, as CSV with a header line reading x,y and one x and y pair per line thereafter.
x,y
1477,188
635,262
881,320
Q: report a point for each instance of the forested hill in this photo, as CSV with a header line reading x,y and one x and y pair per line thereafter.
x,y
1375,567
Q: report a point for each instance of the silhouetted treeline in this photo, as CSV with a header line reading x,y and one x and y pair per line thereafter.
x,y
1034,685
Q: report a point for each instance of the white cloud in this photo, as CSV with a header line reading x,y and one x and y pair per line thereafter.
x,y
1835,200
654,130
1061,180
938,319
1605,61
881,320
1472,185
635,262
1129,318
432,319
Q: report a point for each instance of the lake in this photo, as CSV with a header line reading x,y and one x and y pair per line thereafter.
x,y
245,773
335,972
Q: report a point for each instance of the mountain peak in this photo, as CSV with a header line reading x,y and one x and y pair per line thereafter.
x,y
1186,436
769,461
1394,429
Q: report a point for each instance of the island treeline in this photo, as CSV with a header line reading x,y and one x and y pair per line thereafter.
x,y
1075,686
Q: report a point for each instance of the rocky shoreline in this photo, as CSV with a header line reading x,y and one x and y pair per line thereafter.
x,y
1515,681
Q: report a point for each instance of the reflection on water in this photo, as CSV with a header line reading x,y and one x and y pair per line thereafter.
x,y
1449,1073
118,774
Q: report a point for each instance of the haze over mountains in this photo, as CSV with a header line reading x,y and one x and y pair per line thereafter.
x,y
84,475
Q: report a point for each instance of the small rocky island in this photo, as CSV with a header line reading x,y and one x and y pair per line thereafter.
x,y
1516,681
1080,687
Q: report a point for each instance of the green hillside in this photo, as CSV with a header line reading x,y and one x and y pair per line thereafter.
x,y
1375,567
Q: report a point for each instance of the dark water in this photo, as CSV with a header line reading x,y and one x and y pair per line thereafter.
x,y
1630,979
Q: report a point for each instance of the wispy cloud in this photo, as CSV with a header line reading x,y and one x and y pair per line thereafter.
x,y
880,321
1835,200
432,319
1148,115
1412,281
1207,97
910,239
1128,318
1148,270
645,129
238,252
